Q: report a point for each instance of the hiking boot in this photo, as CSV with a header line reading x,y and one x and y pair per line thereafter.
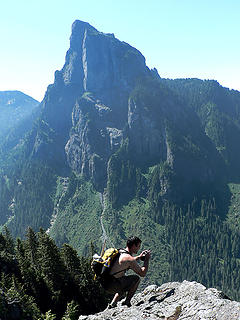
x,y
126,303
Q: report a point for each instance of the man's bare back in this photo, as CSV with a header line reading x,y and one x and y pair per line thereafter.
x,y
121,264
124,262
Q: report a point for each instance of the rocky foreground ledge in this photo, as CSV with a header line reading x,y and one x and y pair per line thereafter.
x,y
174,300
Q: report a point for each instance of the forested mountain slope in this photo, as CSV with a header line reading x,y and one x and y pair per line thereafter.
x,y
218,111
14,107
117,150
17,114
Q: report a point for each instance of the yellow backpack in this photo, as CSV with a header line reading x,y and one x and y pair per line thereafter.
x,y
101,265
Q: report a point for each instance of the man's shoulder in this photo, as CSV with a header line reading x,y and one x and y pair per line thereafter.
x,y
125,255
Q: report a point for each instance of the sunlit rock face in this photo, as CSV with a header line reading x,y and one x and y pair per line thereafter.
x,y
105,95
89,100
105,70
99,62
172,301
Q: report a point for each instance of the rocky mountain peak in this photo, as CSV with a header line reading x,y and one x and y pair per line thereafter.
x,y
98,61
172,301
105,93
95,82
78,28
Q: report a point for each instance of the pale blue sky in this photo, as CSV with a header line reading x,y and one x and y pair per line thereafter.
x,y
181,38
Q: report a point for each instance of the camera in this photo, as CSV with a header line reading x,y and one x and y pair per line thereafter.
x,y
144,254
142,258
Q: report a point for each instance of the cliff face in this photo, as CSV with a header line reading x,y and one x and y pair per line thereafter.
x,y
162,128
106,70
90,97
105,94
100,63
94,137
172,301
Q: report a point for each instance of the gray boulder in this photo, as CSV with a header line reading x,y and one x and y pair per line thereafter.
x,y
174,300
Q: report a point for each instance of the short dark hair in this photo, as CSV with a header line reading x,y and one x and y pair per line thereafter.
x,y
133,240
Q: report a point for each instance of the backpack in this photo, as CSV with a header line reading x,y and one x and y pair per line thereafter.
x,y
101,265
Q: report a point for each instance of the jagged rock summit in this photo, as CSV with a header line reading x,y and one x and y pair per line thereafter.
x,y
87,106
172,301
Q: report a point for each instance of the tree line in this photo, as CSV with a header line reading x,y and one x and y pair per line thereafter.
x,y
42,281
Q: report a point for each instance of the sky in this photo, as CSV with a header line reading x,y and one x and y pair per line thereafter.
x,y
181,38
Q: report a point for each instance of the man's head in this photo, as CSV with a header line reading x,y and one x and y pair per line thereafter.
x,y
133,244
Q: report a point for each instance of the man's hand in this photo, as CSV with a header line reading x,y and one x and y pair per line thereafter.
x,y
146,254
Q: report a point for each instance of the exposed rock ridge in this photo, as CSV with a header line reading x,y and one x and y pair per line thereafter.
x,y
97,61
104,94
105,70
89,99
174,300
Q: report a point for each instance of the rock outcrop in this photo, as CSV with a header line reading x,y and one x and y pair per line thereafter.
x,y
105,94
105,71
172,301
94,137
98,62
89,101
118,97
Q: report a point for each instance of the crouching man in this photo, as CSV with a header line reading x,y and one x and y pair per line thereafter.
x,y
119,284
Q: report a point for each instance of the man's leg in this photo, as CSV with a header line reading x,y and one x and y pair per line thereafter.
x,y
116,298
124,284
132,290
117,290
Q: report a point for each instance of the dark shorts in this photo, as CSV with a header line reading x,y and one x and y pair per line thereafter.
x,y
121,285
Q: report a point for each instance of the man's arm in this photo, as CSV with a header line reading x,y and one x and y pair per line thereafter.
x,y
141,271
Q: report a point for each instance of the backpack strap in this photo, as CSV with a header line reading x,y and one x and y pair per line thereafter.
x,y
121,250
113,274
